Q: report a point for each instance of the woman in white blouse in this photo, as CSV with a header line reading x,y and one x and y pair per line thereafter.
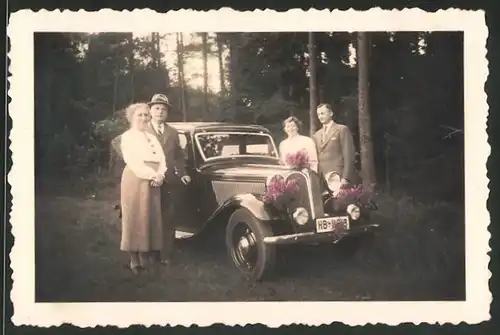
x,y
140,192
296,142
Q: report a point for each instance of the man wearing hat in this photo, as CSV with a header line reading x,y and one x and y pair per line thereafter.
x,y
176,173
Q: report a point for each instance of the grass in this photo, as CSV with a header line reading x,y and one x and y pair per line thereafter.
x,y
417,255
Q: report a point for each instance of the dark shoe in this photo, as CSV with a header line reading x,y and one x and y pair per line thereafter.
x,y
135,269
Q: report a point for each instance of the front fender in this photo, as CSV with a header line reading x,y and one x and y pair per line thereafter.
x,y
248,201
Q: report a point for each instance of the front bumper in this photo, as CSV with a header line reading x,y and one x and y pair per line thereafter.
x,y
331,237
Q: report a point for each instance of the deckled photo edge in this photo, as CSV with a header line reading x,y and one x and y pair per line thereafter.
x,y
21,28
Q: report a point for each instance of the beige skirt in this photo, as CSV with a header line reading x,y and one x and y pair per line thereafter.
x,y
141,213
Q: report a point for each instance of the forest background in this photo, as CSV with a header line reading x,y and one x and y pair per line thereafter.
x,y
410,84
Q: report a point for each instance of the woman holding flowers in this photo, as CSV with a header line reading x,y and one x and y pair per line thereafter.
x,y
297,149
140,192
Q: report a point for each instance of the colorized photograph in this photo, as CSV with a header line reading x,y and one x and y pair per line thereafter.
x,y
253,166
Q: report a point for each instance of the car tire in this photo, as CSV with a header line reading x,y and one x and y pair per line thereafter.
x,y
264,260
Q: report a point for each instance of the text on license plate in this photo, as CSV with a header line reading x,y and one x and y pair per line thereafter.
x,y
325,225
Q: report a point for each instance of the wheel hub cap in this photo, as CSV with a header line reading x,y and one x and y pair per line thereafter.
x,y
245,243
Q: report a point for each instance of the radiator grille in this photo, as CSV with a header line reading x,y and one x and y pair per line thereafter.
x,y
316,195
301,198
309,199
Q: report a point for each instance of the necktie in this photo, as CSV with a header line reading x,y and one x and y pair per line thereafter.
x,y
323,137
160,129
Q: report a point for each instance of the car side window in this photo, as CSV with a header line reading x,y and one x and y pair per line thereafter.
x,y
183,143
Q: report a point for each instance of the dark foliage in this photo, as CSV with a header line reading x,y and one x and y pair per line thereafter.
x,y
82,82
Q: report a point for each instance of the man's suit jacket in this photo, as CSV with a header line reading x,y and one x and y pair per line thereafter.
x,y
170,143
336,152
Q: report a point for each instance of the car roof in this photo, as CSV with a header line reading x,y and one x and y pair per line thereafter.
x,y
191,127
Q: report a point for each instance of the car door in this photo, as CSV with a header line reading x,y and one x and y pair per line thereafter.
x,y
187,198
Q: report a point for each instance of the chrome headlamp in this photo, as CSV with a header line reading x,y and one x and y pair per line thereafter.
x,y
333,181
301,216
354,211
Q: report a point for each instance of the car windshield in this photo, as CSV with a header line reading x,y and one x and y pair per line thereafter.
x,y
235,144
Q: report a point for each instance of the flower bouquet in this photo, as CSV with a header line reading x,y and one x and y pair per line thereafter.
x,y
279,193
354,195
297,160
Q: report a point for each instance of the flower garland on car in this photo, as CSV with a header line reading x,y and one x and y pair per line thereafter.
x,y
279,193
297,160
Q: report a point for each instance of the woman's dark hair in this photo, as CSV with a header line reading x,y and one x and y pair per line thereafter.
x,y
295,120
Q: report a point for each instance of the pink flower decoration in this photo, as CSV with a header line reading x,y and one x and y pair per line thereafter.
x,y
354,192
279,190
353,195
298,159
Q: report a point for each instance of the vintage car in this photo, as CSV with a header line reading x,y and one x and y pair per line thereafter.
x,y
231,167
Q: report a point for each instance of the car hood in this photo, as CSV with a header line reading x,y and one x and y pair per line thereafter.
x,y
249,171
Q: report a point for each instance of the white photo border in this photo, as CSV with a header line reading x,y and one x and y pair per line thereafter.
x,y
473,310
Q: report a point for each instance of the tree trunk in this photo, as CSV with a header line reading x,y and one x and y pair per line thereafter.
x,y
164,65
221,66
364,120
155,43
204,37
233,70
180,66
312,85
131,61
153,50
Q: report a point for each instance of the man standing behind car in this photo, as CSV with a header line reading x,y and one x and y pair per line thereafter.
x,y
335,145
176,172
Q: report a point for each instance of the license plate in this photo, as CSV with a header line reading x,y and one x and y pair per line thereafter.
x,y
338,223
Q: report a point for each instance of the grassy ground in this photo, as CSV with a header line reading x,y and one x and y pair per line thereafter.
x,y
418,255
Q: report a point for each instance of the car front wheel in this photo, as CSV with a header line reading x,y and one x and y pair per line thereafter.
x,y
245,243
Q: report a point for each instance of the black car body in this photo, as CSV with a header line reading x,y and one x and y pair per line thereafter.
x,y
230,166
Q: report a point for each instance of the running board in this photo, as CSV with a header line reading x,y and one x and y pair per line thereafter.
x,y
182,234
